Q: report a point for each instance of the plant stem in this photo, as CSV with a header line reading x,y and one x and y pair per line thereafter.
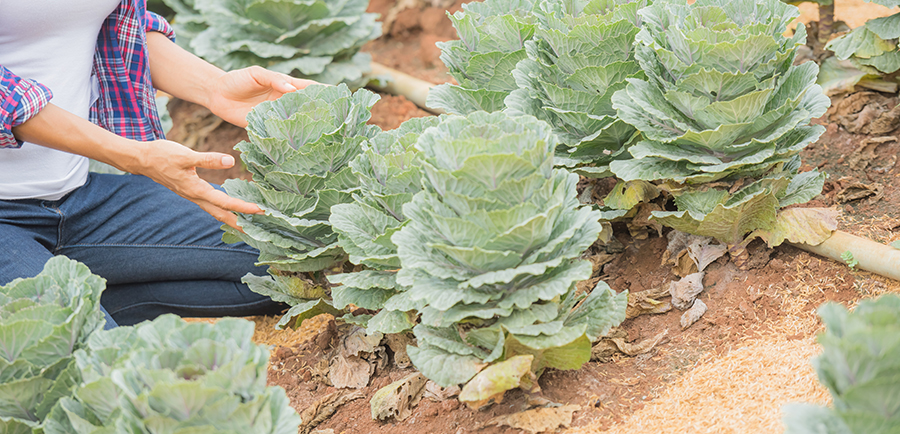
x,y
826,22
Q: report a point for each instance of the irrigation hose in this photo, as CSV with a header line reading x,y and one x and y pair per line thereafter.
x,y
412,88
871,256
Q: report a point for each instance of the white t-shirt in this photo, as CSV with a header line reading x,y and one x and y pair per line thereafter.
x,y
52,42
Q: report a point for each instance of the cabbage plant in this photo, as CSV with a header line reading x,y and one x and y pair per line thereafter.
x,y
492,252
860,366
299,149
724,114
580,55
389,175
874,47
314,39
491,41
43,320
170,376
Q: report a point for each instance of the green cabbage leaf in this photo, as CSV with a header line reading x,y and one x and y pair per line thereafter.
x,y
389,175
491,42
43,321
860,367
168,375
314,39
723,114
581,54
299,153
491,252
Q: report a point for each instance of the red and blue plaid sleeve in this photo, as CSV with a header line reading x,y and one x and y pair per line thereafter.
x,y
20,100
156,23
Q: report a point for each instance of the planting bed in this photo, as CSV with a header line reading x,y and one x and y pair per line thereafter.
x,y
735,367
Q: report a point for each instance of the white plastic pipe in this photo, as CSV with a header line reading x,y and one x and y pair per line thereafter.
x,y
871,256
414,89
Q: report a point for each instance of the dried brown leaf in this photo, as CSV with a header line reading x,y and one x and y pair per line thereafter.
x,y
647,302
398,398
686,290
397,342
692,315
322,409
539,419
609,346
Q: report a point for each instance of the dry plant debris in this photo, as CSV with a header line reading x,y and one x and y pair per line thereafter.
x,y
741,392
538,420
323,408
398,398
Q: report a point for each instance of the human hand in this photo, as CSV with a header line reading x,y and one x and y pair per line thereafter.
x,y
235,93
174,166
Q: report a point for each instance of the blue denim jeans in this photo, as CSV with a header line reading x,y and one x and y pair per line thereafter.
x,y
158,252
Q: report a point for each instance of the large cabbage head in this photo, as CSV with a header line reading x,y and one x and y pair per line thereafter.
x,y
314,39
491,41
299,150
580,55
389,175
43,320
168,375
491,251
722,102
860,366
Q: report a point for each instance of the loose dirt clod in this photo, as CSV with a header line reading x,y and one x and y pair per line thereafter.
x,y
538,420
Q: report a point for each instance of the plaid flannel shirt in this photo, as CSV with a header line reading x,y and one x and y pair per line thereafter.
x,y
126,103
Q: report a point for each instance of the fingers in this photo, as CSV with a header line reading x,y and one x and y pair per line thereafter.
x,y
213,160
281,82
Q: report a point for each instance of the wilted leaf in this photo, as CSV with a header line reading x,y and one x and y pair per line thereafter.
x,y
685,290
438,393
489,385
606,347
539,419
398,398
627,194
692,315
398,342
324,407
647,302
801,225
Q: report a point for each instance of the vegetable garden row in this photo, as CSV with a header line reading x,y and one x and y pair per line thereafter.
x,y
468,230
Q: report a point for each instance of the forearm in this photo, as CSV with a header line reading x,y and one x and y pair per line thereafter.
x,y
180,73
59,129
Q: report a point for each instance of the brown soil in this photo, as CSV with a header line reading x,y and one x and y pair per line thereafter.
x,y
778,297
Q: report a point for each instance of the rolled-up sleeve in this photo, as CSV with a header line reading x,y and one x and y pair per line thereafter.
x,y
20,100
156,23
